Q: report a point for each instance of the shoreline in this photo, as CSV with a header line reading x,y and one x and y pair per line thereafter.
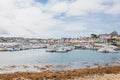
x,y
75,74
51,67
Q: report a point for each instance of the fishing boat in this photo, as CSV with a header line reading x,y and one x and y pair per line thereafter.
x,y
62,49
108,49
51,50
80,47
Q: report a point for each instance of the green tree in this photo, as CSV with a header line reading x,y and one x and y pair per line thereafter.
x,y
94,36
114,33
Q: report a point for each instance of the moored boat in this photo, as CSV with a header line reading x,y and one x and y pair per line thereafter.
x,y
108,49
50,50
62,49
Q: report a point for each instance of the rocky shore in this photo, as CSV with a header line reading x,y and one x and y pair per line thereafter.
x,y
103,73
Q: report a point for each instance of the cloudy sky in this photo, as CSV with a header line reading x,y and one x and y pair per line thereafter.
x,y
58,18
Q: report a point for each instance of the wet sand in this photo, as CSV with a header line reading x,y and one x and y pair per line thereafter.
x,y
101,77
106,73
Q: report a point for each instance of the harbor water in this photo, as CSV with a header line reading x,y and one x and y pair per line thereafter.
x,y
74,59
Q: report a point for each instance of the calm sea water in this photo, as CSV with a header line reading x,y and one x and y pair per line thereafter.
x,y
75,59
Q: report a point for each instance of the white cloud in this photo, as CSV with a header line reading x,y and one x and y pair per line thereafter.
x,y
77,7
73,27
115,8
17,16
28,18
60,7
83,7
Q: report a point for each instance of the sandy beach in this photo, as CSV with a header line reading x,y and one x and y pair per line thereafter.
x,y
106,73
93,77
101,77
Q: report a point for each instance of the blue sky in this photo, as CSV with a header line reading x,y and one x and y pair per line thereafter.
x,y
42,1
58,18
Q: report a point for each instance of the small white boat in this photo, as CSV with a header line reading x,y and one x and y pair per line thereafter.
x,y
112,50
111,46
69,48
64,49
16,49
61,50
107,50
79,47
103,50
9,49
51,50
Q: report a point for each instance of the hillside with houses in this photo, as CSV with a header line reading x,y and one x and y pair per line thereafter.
x,y
95,40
